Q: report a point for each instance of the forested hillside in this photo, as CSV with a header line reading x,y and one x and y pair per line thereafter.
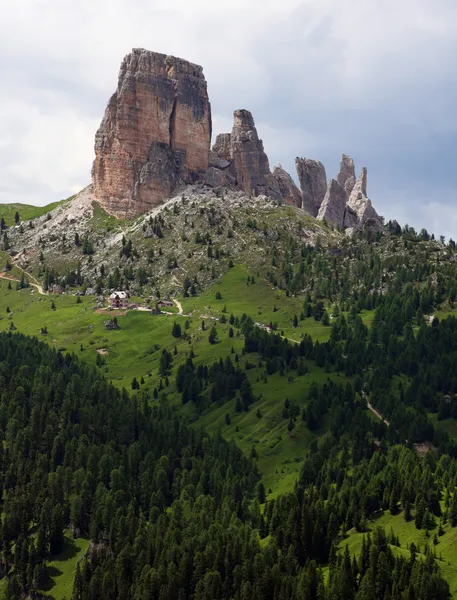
x,y
303,395
173,513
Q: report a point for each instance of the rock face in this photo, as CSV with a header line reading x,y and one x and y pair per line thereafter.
x,y
155,137
346,176
250,163
359,210
155,134
223,146
313,183
287,188
333,206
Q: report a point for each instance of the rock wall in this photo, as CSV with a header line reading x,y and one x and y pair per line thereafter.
x,y
251,165
248,163
287,188
313,183
359,209
346,176
155,133
333,206
346,204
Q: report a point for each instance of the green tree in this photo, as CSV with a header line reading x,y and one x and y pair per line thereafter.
x,y
212,338
176,331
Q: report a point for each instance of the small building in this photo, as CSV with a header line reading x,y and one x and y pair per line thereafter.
x,y
119,300
164,303
55,289
377,445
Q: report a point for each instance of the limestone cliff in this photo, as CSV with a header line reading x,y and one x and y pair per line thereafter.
x,y
346,176
359,209
313,183
287,188
155,138
248,163
155,134
333,206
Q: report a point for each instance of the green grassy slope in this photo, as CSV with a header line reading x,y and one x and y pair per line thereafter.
x,y
135,350
26,212
257,300
61,570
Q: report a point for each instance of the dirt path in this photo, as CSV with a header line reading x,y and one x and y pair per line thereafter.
x,y
179,305
35,285
29,276
377,413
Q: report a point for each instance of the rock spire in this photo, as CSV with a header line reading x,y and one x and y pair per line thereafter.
x,y
155,134
313,183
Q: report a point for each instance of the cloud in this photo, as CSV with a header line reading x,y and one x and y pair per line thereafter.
x,y
322,77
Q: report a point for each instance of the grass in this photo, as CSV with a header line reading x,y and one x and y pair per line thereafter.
x,y
61,570
258,300
135,351
280,452
26,211
447,425
103,220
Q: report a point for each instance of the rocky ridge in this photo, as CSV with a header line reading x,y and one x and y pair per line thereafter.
x,y
155,139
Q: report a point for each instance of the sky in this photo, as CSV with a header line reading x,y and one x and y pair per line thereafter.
x,y
375,79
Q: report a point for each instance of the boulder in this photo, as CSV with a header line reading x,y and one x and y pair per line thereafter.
x,y
289,191
333,205
155,133
215,177
216,161
313,183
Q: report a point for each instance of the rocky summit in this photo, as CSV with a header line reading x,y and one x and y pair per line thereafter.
x,y
155,134
155,139
247,160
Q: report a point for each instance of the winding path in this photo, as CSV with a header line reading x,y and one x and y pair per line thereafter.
x,y
35,285
179,305
377,413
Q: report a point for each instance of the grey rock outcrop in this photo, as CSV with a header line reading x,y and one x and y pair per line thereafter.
x,y
244,151
222,147
216,177
359,209
289,191
346,176
333,206
313,183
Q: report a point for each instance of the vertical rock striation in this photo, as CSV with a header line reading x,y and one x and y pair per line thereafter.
x,y
250,163
155,137
359,210
333,206
244,152
155,133
313,183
